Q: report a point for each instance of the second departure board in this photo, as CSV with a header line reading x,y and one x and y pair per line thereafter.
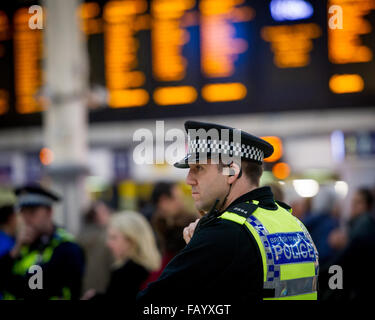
x,y
172,58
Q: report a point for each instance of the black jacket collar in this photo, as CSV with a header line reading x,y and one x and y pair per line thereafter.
x,y
43,241
264,195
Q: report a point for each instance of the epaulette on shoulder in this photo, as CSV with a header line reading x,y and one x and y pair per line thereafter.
x,y
63,235
244,209
284,205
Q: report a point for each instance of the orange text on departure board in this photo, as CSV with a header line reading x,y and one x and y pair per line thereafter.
x,y
344,44
123,80
27,62
219,46
4,101
168,37
91,23
4,27
292,44
4,35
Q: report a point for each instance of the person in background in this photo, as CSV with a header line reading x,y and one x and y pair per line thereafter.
x,y
360,217
321,221
132,243
357,252
278,192
8,228
40,242
168,221
301,208
146,208
168,203
93,241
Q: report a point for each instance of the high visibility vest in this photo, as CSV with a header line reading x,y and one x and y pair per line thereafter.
x,y
29,258
289,256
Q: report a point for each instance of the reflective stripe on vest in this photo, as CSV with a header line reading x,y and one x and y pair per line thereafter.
x,y
289,256
8,296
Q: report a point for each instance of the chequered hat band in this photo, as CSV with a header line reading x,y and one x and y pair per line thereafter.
x,y
226,147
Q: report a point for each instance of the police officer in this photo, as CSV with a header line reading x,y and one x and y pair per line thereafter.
x,y
246,246
41,243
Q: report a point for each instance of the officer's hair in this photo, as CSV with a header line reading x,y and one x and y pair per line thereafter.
x,y
252,171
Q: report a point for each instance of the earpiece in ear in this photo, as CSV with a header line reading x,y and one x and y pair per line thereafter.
x,y
227,170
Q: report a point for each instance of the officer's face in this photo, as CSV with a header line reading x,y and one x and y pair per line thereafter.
x,y
207,184
38,218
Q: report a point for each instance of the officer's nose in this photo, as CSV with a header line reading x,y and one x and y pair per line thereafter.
x,y
190,180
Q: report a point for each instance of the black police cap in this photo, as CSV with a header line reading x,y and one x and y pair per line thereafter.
x,y
35,195
251,148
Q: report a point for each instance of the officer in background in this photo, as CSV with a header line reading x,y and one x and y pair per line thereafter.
x,y
41,243
247,246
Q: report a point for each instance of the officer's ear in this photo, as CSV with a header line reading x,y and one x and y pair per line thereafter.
x,y
232,171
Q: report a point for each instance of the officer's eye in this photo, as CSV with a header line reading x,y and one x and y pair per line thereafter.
x,y
198,167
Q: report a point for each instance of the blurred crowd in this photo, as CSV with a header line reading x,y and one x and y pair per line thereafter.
x,y
347,242
124,251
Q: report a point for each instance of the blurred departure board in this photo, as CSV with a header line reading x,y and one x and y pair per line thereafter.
x,y
181,58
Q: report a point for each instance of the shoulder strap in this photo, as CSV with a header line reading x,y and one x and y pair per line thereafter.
x,y
61,235
243,209
284,205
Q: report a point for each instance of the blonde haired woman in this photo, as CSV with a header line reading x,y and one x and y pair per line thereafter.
x,y
132,243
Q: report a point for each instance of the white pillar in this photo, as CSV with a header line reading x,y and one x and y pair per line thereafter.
x,y
65,120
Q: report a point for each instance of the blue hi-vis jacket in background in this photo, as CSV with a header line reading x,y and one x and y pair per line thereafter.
x,y
6,243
